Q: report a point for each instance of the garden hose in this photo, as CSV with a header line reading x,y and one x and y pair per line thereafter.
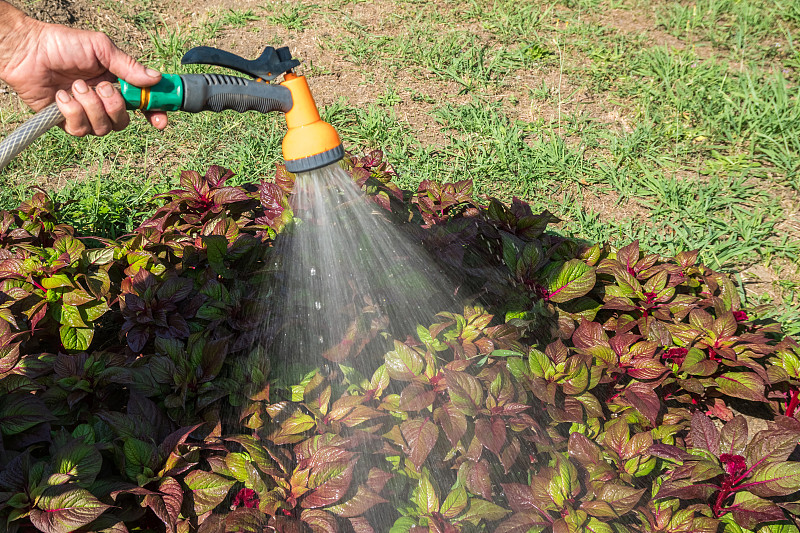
x,y
28,132
309,143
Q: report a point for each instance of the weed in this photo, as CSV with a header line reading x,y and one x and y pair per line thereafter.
x,y
291,16
389,98
168,46
237,18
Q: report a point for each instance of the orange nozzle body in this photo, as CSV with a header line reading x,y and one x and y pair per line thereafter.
x,y
310,142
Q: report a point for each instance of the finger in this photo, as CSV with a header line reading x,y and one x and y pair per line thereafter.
x,y
157,118
75,120
93,107
124,66
114,106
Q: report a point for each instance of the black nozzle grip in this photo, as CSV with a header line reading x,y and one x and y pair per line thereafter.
x,y
215,92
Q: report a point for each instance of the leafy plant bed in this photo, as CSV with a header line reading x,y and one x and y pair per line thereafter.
x,y
587,389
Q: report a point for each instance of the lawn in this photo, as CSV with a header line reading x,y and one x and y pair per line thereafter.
x,y
672,123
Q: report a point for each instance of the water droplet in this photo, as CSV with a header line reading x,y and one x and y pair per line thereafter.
x,y
321,340
313,271
318,305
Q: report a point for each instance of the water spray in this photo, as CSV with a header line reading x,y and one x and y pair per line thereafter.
x,y
309,144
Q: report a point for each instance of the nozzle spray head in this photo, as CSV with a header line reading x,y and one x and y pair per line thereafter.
x,y
310,142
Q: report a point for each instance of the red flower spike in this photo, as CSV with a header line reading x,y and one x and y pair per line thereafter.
x,y
740,316
676,355
245,498
734,464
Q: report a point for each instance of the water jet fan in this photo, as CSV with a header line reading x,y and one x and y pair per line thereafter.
x,y
309,144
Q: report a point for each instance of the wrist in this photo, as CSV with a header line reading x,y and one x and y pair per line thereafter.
x,y
17,32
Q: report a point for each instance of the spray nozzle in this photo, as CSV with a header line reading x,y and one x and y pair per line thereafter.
x,y
269,65
310,142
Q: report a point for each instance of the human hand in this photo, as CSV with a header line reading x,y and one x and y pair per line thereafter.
x,y
43,62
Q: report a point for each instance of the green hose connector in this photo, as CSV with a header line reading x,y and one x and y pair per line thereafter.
x,y
166,95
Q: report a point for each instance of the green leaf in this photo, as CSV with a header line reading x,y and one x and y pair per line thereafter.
x,y
69,245
78,459
570,280
208,489
540,364
298,422
68,315
483,510
95,310
217,249
65,508
138,456
55,281
593,525
425,497
403,363
98,256
774,479
20,412
455,502
403,525
77,339
745,385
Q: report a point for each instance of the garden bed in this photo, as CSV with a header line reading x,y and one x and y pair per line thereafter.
x,y
584,388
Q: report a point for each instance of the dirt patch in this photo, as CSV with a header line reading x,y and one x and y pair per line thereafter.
x,y
639,22
57,11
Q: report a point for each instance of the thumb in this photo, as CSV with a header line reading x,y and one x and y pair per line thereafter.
x,y
127,68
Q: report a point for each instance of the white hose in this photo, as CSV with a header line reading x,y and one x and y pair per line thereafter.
x,y
29,131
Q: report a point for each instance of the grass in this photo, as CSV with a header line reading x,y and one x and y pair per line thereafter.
x,y
669,122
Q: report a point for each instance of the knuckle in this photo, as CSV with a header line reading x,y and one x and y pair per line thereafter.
x,y
80,130
122,122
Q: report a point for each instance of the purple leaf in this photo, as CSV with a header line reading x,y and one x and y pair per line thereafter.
x,y
703,433
645,400
749,511
771,445
733,436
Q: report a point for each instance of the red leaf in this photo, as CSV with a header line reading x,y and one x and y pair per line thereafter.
x,y
359,504
452,421
421,436
319,521
331,491
478,480
645,400
491,433
519,496
416,397
167,503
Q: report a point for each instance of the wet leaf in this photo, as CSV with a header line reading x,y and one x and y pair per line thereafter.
x,y
403,363
420,435
65,508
